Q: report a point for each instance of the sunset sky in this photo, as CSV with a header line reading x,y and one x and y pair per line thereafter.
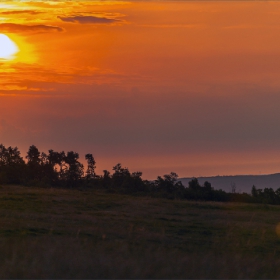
x,y
191,87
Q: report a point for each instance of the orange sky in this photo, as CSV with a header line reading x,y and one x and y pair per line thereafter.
x,y
189,87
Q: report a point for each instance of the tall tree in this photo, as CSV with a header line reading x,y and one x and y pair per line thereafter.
x,y
74,170
33,155
90,173
56,160
34,169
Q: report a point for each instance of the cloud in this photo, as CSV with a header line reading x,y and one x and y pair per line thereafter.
x,y
31,12
88,19
13,27
173,25
21,78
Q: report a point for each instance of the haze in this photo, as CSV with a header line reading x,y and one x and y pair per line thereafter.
x,y
189,87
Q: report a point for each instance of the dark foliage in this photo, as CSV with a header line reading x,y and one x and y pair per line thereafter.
x,y
268,195
60,169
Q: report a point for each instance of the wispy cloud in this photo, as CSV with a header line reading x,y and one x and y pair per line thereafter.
x,y
20,77
88,19
16,12
21,28
190,26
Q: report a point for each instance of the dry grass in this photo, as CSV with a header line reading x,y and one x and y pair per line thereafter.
x,y
54,233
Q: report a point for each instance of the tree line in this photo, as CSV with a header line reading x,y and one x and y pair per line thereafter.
x,y
61,169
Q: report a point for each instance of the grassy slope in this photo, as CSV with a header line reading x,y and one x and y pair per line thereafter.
x,y
52,233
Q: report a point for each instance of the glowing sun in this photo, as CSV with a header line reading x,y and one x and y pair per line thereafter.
x,y
7,48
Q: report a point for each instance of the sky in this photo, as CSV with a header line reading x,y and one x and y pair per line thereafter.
x,y
191,87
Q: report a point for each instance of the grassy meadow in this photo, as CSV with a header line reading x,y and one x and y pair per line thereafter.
x,y
58,233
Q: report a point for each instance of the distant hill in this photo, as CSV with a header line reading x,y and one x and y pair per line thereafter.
x,y
243,183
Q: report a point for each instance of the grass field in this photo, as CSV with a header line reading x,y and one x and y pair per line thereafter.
x,y
56,233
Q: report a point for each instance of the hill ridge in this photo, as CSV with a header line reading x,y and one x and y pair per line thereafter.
x,y
243,183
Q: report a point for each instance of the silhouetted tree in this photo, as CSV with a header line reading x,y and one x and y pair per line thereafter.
x,y
254,191
137,182
60,169
169,185
277,193
33,164
207,186
12,166
74,170
106,179
120,177
33,155
194,185
90,173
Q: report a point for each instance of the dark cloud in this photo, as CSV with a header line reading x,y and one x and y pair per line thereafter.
x,y
13,27
88,19
31,12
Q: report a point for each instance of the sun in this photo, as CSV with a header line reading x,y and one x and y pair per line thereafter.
x,y
8,48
